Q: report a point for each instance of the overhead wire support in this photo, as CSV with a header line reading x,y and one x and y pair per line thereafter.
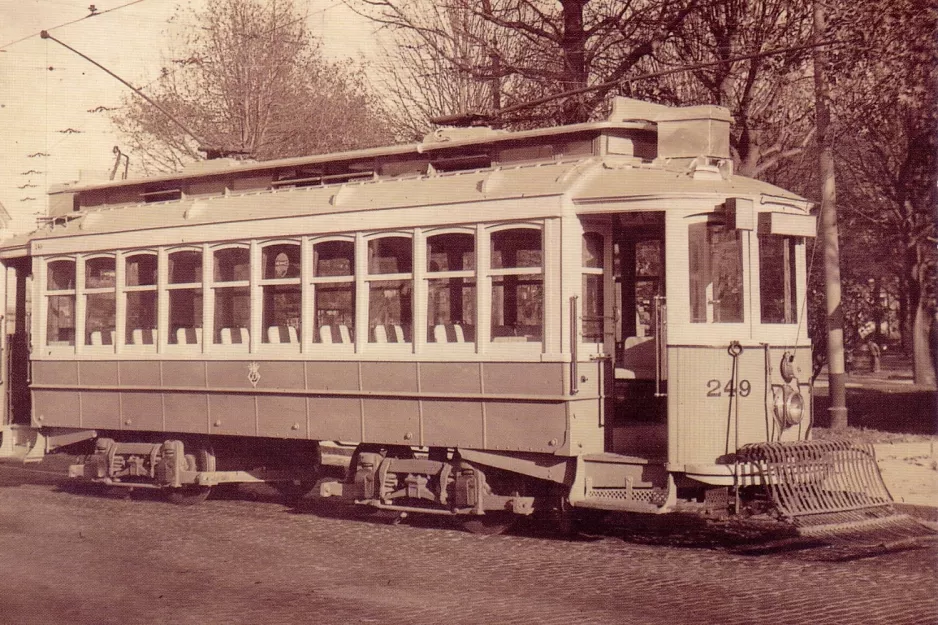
x,y
472,118
45,35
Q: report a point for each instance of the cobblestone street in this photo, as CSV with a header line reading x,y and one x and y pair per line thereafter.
x,y
80,558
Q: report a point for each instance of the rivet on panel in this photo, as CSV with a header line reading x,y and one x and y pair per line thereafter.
x,y
128,421
295,426
408,436
218,423
553,442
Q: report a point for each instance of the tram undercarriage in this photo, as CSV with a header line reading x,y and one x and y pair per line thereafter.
x,y
822,489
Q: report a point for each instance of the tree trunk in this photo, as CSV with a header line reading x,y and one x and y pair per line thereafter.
x,y
829,233
573,44
923,364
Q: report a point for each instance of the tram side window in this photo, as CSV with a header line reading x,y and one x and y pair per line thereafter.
x,y
334,292
282,293
390,305
777,279
451,292
140,291
100,308
185,297
231,287
716,274
593,304
517,286
60,302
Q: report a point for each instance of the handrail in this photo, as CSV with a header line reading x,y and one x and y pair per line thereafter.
x,y
574,339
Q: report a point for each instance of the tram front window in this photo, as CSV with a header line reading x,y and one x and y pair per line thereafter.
x,y
716,274
777,279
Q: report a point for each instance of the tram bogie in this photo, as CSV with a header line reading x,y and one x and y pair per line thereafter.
x,y
598,316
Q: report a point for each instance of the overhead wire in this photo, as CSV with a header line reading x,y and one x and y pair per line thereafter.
x,y
75,21
165,74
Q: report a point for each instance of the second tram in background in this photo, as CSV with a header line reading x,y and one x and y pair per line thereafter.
x,y
598,316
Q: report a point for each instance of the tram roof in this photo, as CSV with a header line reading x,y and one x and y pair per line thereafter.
x,y
663,154
586,184
443,139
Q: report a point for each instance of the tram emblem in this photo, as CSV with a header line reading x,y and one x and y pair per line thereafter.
x,y
254,373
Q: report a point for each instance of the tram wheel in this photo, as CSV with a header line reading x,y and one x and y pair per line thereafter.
x,y
490,523
190,494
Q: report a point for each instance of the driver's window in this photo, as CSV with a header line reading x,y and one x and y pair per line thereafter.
x,y
716,273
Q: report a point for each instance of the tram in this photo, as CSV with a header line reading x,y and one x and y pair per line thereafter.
x,y
595,316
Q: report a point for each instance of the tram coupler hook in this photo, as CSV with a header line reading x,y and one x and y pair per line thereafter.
x,y
735,349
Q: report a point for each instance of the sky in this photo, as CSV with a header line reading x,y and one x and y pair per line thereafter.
x,y
54,117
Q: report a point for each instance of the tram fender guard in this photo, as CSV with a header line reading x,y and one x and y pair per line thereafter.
x,y
829,488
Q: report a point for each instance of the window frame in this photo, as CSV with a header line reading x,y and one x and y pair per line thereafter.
x,y
125,290
212,285
311,284
746,299
790,274
84,293
262,343
363,339
469,346
167,287
490,273
601,271
47,293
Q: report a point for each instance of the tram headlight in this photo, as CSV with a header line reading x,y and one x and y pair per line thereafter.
x,y
789,406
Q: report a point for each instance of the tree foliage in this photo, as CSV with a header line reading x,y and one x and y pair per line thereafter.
x,y
248,77
888,114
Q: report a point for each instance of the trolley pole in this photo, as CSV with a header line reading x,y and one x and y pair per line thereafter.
x,y
829,231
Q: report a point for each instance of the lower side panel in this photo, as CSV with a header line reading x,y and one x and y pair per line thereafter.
x,y
519,407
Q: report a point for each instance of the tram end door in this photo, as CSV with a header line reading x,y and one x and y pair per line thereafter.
x,y
639,416
19,442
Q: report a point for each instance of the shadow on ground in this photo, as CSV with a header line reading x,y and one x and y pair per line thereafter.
x,y
891,409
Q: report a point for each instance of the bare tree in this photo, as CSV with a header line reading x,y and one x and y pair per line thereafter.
x,y
420,83
533,47
250,78
769,97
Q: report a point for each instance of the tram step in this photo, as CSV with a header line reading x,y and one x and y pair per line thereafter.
x,y
610,482
617,500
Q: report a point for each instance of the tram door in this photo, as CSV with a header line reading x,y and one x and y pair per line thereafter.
x,y
639,424
15,354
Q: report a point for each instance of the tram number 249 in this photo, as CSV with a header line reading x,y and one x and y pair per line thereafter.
x,y
716,388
